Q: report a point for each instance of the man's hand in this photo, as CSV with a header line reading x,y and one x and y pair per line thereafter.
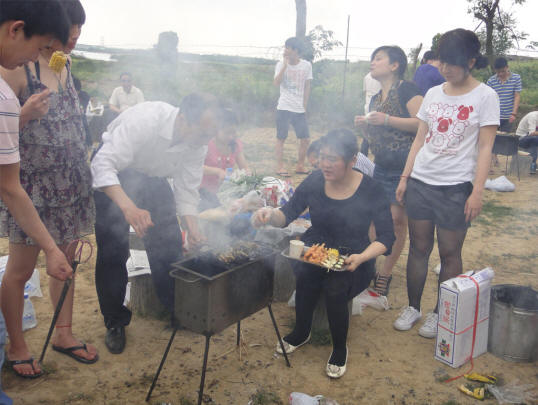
x,y
195,238
139,219
473,206
36,106
57,265
353,261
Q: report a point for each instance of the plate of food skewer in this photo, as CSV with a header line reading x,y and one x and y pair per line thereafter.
x,y
321,256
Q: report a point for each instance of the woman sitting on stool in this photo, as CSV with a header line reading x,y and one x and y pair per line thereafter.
x,y
342,204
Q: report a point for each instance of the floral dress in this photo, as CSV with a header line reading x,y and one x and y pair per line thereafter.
x,y
54,169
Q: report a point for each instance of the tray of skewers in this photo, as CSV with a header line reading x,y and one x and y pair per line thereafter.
x,y
319,255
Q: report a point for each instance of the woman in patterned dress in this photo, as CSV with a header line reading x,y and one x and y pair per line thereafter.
x,y
56,176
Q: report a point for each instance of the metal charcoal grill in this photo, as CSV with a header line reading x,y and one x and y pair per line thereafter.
x,y
211,295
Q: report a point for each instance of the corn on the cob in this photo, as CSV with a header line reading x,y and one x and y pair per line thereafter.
x,y
57,61
489,379
477,393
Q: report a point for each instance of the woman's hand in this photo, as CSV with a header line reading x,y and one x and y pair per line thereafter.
x,y
400,190
360,120
473,206
376,118
262,217
221,173
353,261
36,106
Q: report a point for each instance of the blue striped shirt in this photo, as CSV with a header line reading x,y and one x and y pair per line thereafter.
x,y
506,92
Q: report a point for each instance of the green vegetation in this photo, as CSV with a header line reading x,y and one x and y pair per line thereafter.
x,y
264,397
247,83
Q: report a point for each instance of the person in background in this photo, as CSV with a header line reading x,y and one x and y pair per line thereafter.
x,y
342,203
427,75
224,152
442,183
391,128
312,154
56,176
293,75
84,99
527,130
126,95
508,86
141,149
370,87
26,27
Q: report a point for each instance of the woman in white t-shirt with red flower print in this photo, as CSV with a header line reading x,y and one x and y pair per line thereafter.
x,y
443,180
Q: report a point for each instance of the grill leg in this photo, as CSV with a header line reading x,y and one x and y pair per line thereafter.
x,y
161,365
278,335
238,333
202,380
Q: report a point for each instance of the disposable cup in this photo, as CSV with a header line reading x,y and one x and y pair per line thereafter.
x,y
296,248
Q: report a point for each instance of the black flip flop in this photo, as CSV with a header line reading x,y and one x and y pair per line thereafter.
x,y
303,172
283,173
13,363
68,351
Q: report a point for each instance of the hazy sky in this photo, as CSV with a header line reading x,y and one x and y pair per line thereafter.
x,y
258,28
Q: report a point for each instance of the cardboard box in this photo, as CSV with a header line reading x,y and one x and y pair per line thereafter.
x,y
456,325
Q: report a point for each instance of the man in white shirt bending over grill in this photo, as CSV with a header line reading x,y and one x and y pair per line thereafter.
x,y
141,149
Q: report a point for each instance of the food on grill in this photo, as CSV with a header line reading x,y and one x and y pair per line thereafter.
x,y
57,61
322,256
242,252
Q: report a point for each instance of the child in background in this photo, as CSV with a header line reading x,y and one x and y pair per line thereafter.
x,y
223,152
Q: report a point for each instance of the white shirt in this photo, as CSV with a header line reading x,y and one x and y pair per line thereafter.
x,y
528,124
9,125
140,139
450,150
123,100
370,87
292,85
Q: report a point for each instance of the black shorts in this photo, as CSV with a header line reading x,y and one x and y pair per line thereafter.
x,y
298,120
444,205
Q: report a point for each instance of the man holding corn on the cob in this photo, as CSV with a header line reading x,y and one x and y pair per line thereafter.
x,y
26,27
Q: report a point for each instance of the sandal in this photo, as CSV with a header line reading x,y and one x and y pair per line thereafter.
x,y
382,284
70,351
13,363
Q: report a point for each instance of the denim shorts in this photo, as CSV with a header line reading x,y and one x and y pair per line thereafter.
x,y
389,180
443,205
297,120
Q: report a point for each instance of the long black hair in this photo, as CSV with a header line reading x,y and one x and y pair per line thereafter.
x,y
459,46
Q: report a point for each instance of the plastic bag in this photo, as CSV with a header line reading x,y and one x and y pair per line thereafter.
x,y
298,398
369,298
513,393
291,301
32,286
500,184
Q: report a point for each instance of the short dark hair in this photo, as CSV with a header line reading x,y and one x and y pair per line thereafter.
x,y
194,105
396,55
229,117
294,43
429,55
75,11
343,142
126,74
500,63
314,147
459,46
40,17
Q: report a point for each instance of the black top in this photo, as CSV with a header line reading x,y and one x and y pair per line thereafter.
x,y
342,223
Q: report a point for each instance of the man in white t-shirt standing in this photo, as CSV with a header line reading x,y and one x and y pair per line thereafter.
x,y
126,95
527,130
294,76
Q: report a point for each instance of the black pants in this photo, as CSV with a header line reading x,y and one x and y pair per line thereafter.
x,y
163,244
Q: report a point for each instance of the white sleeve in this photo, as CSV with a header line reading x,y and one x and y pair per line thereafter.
x,y
123,138
422,113
532,123
187,181
278,67
490,109
140,98
114,98
309,72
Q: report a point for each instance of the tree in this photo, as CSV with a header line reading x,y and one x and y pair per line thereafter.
x,y
300,25
496,21
413,58
435,43
317,41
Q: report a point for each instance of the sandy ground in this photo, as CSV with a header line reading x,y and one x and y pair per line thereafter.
x,y
385,366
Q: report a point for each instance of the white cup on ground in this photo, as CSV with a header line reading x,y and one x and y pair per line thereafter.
x,y
296,248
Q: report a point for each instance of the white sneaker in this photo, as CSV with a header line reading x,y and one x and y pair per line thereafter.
x,y
429,327
407,318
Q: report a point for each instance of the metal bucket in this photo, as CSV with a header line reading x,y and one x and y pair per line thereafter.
x,y
513,323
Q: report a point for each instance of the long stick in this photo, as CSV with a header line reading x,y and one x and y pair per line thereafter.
x,y
345,62
65,289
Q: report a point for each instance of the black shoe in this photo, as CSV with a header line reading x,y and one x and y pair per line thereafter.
x,y
115,339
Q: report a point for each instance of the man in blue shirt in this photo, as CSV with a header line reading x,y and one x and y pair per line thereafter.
x,y
427,74
508,86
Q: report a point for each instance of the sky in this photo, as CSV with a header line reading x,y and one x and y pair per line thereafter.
x,y
259,27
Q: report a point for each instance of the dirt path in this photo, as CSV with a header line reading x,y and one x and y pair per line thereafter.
x,y
385,366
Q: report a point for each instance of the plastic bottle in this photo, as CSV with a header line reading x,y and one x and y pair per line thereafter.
x,y
299,398
28,315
